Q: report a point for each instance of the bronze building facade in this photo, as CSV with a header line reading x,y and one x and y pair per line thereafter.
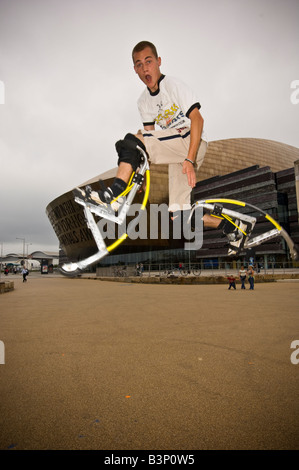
x,y
254,170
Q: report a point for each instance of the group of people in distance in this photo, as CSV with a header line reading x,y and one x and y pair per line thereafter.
x,y
243,274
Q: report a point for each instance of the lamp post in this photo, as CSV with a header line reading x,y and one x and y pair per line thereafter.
x,y
27,244
23,248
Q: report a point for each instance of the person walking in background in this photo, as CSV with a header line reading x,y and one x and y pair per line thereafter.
x,y
25,273
242,274
251,273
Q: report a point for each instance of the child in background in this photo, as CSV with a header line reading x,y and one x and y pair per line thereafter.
x,y
232,281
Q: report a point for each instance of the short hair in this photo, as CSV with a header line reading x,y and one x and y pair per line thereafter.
x,y
142,45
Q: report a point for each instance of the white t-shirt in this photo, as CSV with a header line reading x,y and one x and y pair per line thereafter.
x,y
170,106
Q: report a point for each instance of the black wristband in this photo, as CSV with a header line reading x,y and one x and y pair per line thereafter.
x,y
190,161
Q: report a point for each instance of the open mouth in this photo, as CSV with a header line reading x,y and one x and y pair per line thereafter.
x,y
148,78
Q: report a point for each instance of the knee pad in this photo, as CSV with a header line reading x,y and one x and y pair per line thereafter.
x,y
128,152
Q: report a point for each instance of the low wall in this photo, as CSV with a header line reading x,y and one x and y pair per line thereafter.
x,y
6,286
192,280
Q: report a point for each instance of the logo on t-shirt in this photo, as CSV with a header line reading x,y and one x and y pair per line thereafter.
x,y
166,117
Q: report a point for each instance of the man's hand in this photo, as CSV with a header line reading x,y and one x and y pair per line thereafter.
x,y
188,169
195,136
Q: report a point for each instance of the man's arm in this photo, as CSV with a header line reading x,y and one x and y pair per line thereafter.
x,y
195,136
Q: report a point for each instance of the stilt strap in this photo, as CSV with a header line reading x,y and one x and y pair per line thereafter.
x,y
217,210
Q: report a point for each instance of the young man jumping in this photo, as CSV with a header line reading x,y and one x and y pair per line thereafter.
x,y
180,142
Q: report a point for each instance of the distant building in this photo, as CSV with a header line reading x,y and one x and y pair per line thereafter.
x,y
254,170
32,260
274,193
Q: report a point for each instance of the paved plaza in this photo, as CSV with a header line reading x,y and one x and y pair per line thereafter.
x,y
93,364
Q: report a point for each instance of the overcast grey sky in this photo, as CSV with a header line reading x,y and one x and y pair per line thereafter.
x,y
71,91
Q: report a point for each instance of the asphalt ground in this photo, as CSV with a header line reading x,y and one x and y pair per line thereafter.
x,y
104,365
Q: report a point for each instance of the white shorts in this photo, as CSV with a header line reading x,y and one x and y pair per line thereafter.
x,y
171,147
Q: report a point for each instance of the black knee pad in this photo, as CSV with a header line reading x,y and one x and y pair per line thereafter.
x,y
128,152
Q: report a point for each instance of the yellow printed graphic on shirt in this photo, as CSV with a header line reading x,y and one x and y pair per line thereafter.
x,y
167,116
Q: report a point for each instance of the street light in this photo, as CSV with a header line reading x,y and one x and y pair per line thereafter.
x,y
23,248
27,244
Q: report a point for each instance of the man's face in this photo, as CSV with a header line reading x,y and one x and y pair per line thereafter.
x,y
148,68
